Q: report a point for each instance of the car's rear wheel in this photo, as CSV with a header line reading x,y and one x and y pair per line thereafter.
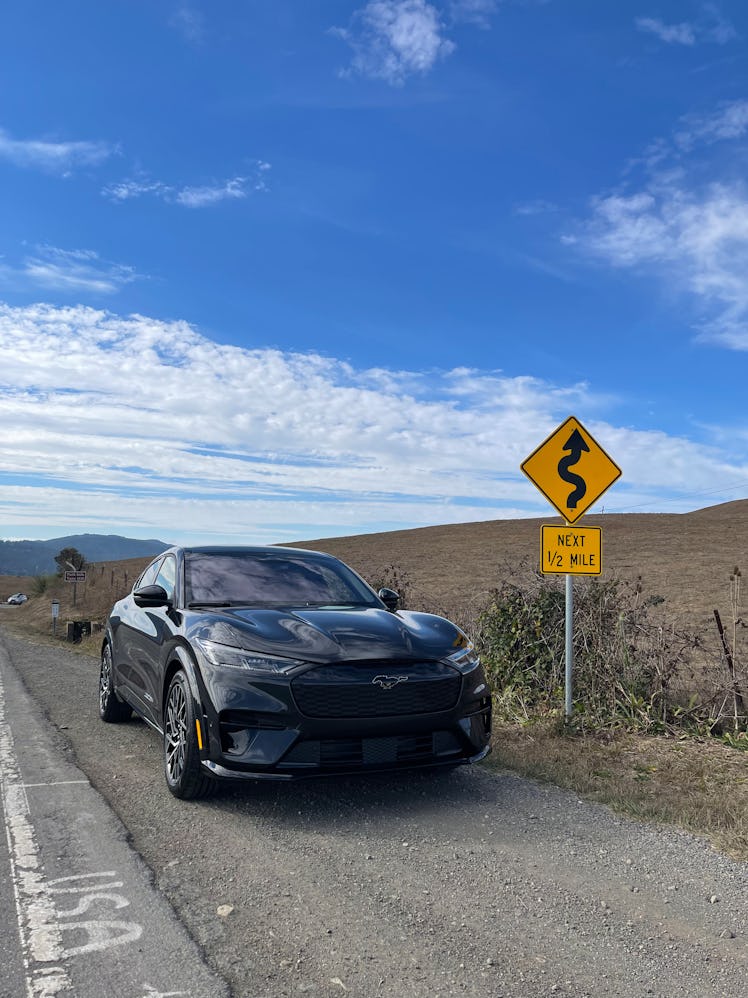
x,y
185,776
111,708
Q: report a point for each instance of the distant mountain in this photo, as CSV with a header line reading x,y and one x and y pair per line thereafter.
x,y
38,557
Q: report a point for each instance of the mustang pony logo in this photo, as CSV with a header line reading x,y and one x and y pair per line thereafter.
x,y
387,682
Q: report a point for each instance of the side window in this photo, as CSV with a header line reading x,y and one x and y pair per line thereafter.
x,y
149,575
167,576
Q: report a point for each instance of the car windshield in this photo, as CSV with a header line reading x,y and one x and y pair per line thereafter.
x,y
259,578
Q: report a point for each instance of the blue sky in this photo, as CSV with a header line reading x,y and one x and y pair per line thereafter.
x,y
280,269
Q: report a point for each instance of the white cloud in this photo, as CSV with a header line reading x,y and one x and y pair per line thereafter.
x,y
693,234
476,12
537,207
728,121
666,154
673,34
190,23
130,421
716,27
394,39
54,157
127,190
199,197
699,241
190,196
709,26
67,270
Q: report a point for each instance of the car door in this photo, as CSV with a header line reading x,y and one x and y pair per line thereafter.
x,y
155,629
126,633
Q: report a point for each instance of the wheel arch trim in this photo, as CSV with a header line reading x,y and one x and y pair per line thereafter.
x,y
180,660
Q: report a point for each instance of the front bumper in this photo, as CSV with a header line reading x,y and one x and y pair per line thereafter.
x,y
270,728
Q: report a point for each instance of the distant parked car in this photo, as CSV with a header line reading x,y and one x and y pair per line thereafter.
x,y
275,663
17,598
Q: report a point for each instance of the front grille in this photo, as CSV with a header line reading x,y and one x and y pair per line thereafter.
x,y
347,752
378,689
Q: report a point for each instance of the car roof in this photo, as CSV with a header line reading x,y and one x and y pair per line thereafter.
x,y
251,549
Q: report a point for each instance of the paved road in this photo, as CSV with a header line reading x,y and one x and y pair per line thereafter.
x,y
461,884
81,915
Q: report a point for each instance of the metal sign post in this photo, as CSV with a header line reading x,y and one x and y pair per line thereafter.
x,y
570,456
569,670
55,615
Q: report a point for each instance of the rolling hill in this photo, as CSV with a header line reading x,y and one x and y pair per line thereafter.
x,y
687,558
38,557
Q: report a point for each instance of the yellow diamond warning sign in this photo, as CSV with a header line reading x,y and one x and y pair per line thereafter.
x,y
571,550
571,469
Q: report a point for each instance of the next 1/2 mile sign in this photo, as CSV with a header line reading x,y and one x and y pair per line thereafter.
x,y
571,550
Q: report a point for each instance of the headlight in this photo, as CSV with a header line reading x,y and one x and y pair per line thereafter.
x,y
465,659
231,657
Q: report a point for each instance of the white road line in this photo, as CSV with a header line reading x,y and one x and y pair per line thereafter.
x,y
35,911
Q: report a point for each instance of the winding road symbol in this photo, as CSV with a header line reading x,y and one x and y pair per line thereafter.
x,y
576,445
571,456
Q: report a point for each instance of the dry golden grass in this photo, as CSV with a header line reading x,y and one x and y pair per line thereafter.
x,y
699,785
686,558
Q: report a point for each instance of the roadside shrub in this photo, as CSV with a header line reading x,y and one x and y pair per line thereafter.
x,y
389,576
625,662
41,583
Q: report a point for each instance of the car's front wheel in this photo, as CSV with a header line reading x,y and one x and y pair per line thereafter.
x,y
185,776
111,708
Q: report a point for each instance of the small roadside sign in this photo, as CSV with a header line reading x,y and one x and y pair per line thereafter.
x,y
571,550
55,608
571,469
75,576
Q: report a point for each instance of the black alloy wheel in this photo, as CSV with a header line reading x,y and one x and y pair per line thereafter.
x,y
185,776
111,708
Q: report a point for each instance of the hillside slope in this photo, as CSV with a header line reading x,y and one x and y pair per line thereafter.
x,y
686,557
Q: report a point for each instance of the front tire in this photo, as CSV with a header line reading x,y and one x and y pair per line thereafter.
x,y
111,708
185,776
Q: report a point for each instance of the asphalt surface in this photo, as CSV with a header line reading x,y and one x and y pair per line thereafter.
x,y
88,919
468,883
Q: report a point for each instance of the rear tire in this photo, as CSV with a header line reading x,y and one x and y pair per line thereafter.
x,y
184,774
111,708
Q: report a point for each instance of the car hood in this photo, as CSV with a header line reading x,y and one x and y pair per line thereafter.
x,y
332,635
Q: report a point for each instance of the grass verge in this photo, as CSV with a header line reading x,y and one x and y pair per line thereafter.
x,y
697,785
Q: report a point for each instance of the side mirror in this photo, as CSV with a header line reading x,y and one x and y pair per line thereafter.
x,y
151,596
390,598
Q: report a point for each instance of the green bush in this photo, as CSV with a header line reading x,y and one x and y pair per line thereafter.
x,y
625,663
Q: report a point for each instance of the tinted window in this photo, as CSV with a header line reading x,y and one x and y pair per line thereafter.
x,y
272,579
167,576
149,575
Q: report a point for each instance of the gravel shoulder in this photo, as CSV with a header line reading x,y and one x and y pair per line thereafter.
x,y
465,883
